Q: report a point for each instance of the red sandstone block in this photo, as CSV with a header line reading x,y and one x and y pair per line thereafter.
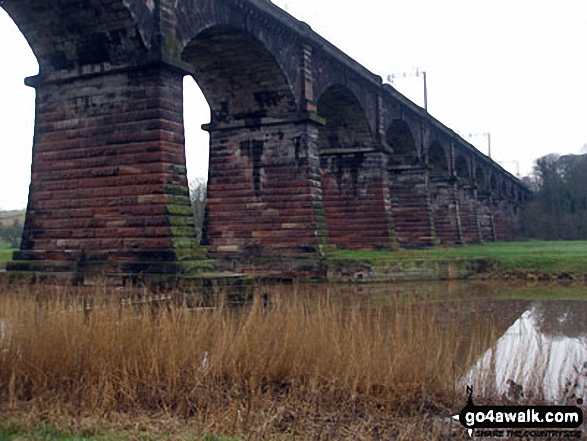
x,y
146,243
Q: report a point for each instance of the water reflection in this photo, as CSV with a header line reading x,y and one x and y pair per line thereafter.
x,y
527,346
543,355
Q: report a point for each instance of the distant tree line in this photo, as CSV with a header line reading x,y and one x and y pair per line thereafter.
x,y
558,210
11,233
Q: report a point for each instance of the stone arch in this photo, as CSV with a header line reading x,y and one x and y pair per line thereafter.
x,y
443,196
493,184
351,173
480,179
462,169
17,119
467,200
437,160
256,151
401,140
240,78
83,33
503,191
346,123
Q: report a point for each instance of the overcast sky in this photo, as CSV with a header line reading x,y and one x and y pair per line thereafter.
x,y
514,68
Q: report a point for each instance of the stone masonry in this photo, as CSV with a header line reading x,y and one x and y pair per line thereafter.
x,y
309,150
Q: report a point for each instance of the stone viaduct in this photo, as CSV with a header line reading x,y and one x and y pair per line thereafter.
x,y
308,149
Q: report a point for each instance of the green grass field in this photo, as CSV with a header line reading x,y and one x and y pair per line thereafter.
x,y
528,255
5,255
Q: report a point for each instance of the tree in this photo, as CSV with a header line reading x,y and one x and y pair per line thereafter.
x,y
559,208
11,233
198,188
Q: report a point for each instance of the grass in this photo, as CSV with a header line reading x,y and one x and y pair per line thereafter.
x,y
299,366
559,257
6,255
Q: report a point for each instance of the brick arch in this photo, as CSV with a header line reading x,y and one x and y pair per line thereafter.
x,y
346,123
352,173
91,32
467,199
401,140
437,160
443,194
493,184
480,178
462,169
240,78
503,189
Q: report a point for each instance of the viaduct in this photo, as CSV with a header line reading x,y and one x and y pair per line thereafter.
x,y
308,149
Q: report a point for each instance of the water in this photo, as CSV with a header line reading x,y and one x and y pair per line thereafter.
x,y
537,344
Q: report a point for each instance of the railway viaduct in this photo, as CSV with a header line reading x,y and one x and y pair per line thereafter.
x,y
308,149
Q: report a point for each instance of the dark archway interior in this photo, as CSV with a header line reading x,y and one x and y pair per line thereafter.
x,y
480,178
399,137
504,190
462,170
239,77
346,124
83,33
493,186
437,160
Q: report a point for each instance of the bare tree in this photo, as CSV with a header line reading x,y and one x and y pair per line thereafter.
x,y
198,188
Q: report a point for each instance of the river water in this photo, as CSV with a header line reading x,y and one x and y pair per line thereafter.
x,y
538,344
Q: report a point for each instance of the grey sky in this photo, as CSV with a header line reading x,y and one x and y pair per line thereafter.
x,y
514,68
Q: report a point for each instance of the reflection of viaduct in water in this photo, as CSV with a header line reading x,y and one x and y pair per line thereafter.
x,y
307,148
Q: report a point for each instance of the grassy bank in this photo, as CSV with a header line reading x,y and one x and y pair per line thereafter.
x,y
285,366
528,256
5,255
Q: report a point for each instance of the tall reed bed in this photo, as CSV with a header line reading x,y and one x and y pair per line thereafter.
x,y
290,362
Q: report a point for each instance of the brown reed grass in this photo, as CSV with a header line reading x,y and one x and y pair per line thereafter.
x,y
295,364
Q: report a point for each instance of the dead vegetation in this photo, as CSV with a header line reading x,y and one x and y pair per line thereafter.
x,y
288,365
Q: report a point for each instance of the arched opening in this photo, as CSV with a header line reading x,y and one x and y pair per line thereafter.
x,y
346,125
467,201
239,77
443,195
352,185
254,164
493,185
399,137
438,161
196,113
408,188
462,170
504,190
17,115
480,182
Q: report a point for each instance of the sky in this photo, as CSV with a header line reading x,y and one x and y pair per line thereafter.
x,y
516,69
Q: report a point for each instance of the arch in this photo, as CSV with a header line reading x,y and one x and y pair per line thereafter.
x,y
462,169
346,123
17,120
352,180
493,185
437,160
503,189
239,77
480,181
401,140
83,33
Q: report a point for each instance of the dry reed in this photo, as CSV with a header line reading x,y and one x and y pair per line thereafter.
x,y
294,364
